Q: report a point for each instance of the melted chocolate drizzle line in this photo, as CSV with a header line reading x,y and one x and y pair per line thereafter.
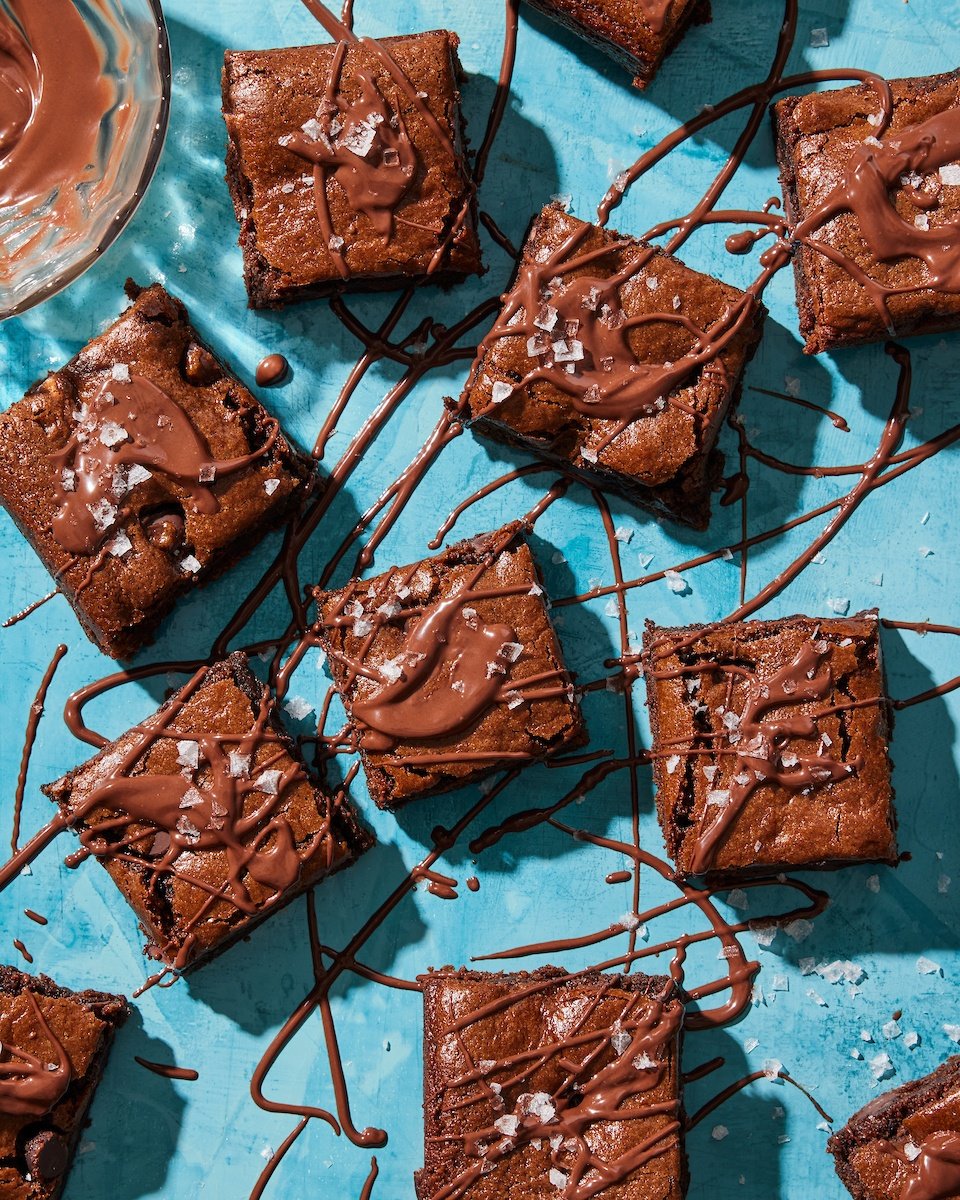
x,y
168,1071
33,723
29,610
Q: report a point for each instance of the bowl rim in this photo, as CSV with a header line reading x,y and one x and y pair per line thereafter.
x,y
124,215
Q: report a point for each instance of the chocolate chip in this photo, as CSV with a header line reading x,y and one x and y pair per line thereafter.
x,y
46,1155
200,367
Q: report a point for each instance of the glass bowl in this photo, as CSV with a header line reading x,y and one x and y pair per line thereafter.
x,y
40,253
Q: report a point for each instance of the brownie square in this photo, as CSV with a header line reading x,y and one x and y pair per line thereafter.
x,y
639,34
874,210
205,817
54,1048
904,1144
595,364
449,669
547,1085
347,166
142,469
770,744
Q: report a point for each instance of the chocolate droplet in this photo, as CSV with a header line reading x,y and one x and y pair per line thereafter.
x,y
200,367
46,1155
273,369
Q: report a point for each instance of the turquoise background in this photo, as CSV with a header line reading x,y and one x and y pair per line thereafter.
x,y
573,123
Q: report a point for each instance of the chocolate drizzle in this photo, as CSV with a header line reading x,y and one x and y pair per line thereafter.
x,y
31,1086
129,428
909,158
934,1168
364,146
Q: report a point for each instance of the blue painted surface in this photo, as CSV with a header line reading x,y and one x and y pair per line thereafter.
x,y
572,124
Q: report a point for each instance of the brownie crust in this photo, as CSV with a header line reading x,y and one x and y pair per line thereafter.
x,y
845,812
474,1019
528,731
84,1024
815,136
120,598
868,1150
182,927
271,94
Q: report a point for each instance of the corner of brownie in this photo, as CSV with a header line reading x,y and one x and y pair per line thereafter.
x,y
143,468
770,744
449,668
205,817
593,365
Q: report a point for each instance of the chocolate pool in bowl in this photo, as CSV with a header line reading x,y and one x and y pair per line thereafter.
x,y
84,99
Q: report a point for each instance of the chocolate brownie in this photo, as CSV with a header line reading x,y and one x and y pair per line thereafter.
x,y
637,33
205,817
449,668
770,744
347,166
874,208
53,1049
617,362
547,1085
143,468
905,1144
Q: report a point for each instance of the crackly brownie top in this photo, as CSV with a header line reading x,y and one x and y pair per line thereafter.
x,y
533,1084
770,741
878,188
613,346
449,663
351,156
203,814
905,1144
137,463
50,1039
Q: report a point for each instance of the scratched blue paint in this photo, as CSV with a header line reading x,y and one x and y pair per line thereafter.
x,y
573,123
